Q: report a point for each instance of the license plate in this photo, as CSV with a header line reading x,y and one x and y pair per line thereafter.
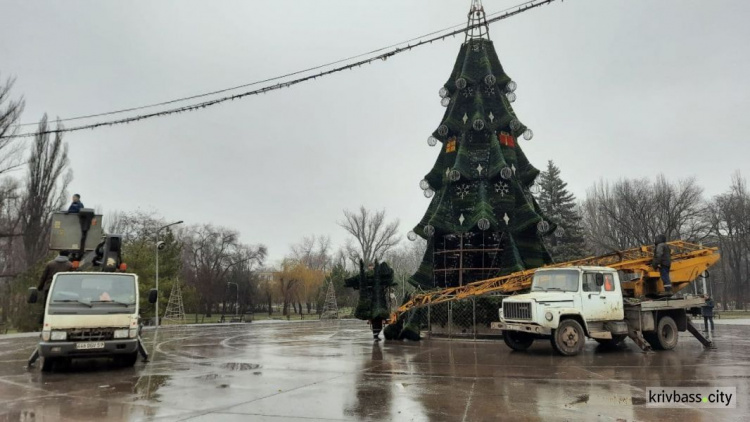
x,y
513,327
90,345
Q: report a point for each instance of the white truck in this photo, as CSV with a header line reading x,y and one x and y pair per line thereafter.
x,y
567,305
91,314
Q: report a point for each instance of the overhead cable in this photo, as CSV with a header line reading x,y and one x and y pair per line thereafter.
x,y
208,103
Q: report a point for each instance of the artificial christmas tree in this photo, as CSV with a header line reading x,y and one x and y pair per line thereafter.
x,y
483,220
373,286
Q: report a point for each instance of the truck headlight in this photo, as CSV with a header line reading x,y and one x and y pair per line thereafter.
x,y
133,332
122,333
45,335
548,316
59,336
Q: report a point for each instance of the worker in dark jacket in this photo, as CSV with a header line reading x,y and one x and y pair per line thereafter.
x,y
76,205
60,264
57,265
663,261
708,313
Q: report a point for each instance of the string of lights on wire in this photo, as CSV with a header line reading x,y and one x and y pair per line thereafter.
x,y
372,56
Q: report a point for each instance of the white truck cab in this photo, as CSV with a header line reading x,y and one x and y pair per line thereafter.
x,y
90,314
567,305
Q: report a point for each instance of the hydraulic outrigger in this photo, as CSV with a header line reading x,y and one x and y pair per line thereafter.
x,y
639,278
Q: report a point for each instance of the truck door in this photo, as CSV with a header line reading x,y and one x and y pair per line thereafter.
x,y
611,291
594,299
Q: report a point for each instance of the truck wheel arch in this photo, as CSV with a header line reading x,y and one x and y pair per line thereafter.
x,y
678,315
578,318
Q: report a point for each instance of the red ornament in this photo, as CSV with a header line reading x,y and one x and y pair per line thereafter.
x,y
506,139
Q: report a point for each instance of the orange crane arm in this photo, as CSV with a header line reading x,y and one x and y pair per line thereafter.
x,y
688,262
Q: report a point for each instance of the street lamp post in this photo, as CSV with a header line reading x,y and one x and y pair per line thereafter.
x,y
157,265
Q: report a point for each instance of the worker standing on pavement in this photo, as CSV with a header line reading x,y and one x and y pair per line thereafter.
x,y
708,313
663,261
76,205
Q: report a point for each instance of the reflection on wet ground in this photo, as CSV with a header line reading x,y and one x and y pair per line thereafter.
x,y
333,371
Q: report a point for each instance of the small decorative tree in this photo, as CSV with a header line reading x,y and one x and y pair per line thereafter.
x,y
373,286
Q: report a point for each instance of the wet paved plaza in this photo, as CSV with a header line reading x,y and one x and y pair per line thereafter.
x,y
307,371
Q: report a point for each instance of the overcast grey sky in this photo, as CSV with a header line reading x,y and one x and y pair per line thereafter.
x,y
611,88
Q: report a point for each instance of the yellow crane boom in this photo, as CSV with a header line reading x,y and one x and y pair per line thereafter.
x,y
637,276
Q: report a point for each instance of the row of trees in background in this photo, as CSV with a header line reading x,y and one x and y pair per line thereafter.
x,y
628,213
217,271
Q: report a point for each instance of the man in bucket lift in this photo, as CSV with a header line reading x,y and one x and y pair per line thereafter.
x,y
76,205
663,261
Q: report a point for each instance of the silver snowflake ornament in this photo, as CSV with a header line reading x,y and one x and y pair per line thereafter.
x,y
463,190
502,188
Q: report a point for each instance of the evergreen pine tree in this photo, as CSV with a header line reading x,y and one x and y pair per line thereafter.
x,y
560,206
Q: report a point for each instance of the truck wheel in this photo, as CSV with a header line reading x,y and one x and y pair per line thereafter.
x,y
665,337
611,342
48,364
569,339
127,360
517,341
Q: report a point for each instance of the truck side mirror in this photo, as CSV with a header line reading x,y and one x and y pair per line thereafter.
x,y
153,294
599,279
33,295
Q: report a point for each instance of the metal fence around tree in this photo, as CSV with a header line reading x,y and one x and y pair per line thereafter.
x,y
462,319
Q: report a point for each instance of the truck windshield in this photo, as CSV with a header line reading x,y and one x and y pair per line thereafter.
x,y
93,289
557,280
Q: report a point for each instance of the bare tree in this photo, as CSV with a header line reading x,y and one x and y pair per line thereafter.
x,y
210,253
405,261
373,236
46,181
10,113
729,215
314,252
628,213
